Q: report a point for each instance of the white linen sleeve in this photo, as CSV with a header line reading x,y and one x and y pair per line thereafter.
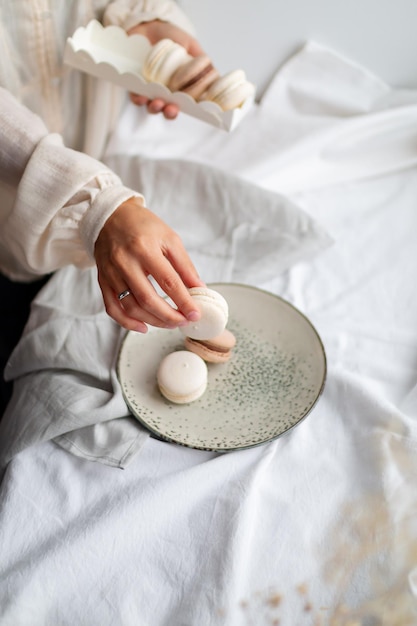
x,y
56,200
129,13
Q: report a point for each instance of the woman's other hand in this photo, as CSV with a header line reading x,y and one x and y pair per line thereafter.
x,y
155,31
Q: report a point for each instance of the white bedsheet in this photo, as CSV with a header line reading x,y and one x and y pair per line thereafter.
x,y
322,518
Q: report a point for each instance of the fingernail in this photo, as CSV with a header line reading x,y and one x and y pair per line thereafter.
x,y
193,316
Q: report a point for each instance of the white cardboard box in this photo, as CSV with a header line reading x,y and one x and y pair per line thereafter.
x,y
108,52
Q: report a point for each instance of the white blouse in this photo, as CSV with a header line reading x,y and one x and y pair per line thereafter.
x,y
54,123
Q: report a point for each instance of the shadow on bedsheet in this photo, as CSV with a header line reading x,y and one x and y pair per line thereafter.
x,y
15,304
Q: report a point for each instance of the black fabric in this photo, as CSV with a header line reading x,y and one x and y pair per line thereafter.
x,y
15,300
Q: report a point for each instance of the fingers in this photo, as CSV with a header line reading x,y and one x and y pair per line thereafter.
x,y
194,47
155,30
132,315
116,310
172,284
144,306
138,99
129,313
169,109
133,245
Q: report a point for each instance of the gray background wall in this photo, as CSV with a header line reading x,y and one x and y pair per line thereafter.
x,y
258,35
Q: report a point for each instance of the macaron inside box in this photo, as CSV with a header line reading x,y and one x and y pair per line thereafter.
x,y
169,64
194,77
110,53
163,59
230,90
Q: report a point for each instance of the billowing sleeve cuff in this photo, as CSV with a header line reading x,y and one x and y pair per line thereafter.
x,y
103,201
62,202
129,13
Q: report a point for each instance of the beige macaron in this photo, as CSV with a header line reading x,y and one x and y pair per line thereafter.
x,y
216,350
194,77
229,91
163,59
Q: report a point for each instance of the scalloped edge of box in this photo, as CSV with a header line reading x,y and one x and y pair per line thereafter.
x,y
109,53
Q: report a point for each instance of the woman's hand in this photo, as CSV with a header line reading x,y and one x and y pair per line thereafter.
x,y
154,31
134,244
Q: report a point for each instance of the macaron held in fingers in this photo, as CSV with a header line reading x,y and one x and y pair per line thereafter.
x,y
214,312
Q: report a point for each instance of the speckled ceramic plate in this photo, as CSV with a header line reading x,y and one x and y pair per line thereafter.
x,y
273,380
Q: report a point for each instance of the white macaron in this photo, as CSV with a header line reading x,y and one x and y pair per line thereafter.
x,y
214,314
182,377
230,91
163,59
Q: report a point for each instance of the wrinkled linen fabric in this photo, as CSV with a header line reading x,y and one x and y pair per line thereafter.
x,y
316,525
234,231
323,120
